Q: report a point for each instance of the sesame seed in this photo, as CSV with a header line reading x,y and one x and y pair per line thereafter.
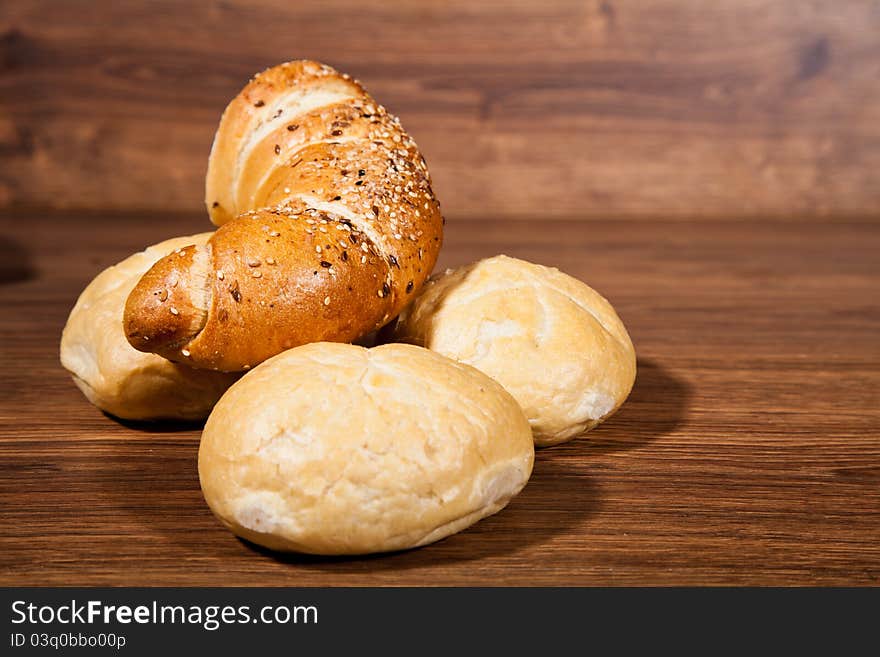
x,y
220,274
174,311
274,233
185,352
253,262
317,248
326,301
257,273
270,261
277,149
287,190
363,259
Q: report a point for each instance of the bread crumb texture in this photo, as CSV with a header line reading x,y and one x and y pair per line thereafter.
x,y
337,449
552,341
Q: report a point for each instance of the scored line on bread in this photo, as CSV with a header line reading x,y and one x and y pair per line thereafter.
x,y
328,227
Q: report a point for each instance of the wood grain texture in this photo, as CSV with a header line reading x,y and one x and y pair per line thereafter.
x,y
646,109
748,452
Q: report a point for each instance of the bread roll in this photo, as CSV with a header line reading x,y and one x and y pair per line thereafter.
x,y
328,227
336,449
553,342
114,376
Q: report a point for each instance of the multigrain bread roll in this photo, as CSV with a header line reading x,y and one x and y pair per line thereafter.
x,y
337,449
328,227
553,342
113,375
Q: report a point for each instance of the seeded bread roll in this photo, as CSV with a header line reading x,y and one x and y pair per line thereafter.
x,y
328,228
552,341
114,376
337,449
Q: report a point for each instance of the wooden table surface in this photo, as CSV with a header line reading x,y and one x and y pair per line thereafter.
x,y
748,452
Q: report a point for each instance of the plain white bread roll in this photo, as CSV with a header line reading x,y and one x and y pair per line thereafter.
x,y
553,342
337,449
113,375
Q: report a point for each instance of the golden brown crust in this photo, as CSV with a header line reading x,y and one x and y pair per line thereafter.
x,y
118,379
255,111
268,276
309,173
168,310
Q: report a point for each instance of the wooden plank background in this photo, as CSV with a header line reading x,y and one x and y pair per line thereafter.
x,y
524,108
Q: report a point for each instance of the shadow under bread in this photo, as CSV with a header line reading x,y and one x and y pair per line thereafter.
x,y
657,406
